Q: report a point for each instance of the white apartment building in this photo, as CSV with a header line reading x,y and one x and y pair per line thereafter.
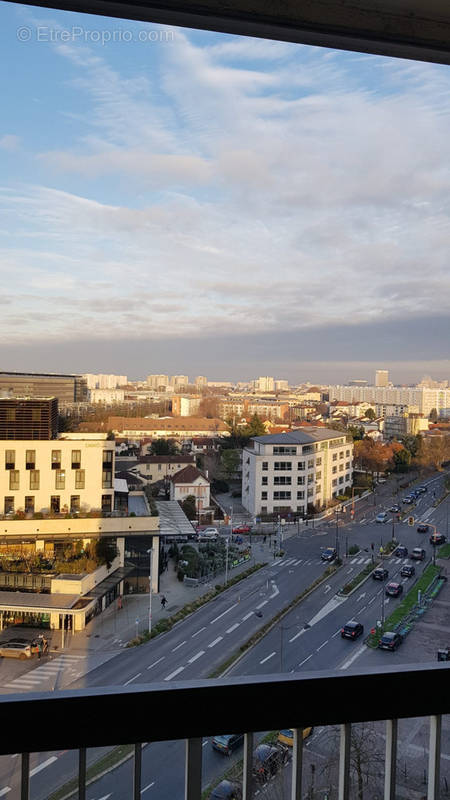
x,y
282,386
424,399
381,377
105,381
201,381
286,472
157,381
72,473
264,384
107,396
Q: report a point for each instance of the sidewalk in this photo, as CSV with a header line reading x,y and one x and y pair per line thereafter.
x,y
112,629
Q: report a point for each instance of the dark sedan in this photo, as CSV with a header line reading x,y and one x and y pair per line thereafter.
x,y
267,760
390,641
438,538
352,630
407,571
423,528
394,589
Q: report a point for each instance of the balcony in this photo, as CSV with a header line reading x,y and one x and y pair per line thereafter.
x,y
193,709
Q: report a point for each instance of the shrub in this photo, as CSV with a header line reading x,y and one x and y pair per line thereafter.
x,y
353,550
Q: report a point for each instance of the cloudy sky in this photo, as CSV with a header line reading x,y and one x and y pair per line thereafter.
x,y
183,202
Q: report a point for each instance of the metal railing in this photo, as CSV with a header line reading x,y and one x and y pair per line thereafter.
x,y
194,709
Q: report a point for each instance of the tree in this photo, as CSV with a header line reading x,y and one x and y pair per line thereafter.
x,y
402,460
356,432
189,507
433,415
255,427
229,462
163,447
370,414
106,551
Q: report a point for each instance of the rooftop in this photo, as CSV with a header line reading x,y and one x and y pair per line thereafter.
x,y
314,434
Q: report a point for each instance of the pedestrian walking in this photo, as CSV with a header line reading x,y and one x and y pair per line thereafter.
x,y
163,602
119,602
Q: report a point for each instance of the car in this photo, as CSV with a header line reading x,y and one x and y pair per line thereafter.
x,y
286,736
208,535
407,571
227,742
395,509
226,790
417,554
242,529
423,528
14,649
407,500
390,640
394,589
380,574
438,538
401,551
267,760
352,630
328,554
381,517
422,489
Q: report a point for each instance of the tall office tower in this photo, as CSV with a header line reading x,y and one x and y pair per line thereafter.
x,y
381,377
66,388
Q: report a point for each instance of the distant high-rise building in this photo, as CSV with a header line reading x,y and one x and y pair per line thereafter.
x,y
157,382
105,381
178,381
264,384
66,388
201,381
281,386
382,377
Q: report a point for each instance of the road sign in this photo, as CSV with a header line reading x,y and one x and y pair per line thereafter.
x,y
411,521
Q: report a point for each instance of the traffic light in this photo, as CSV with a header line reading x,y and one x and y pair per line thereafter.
x,y
411,521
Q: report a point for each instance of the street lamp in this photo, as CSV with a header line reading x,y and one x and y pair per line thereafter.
x,y
337,533
150,552
227,541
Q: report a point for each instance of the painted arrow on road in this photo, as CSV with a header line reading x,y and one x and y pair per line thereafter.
x,y
361,597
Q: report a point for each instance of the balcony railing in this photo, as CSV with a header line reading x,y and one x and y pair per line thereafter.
x,y
78,720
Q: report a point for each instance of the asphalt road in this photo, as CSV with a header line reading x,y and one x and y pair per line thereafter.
x,y
308,638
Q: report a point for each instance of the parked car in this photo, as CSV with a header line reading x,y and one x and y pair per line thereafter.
x,y
418,554
438,538
395,509
328,554
407,571
408,500
422,489
267,760
226,790
352,630
14,649
394,589
227,742
390,640
286,736
242,529
208,535
380,574
381,517
401,551
423,528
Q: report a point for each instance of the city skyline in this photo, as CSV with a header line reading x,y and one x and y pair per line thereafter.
x,y
200,192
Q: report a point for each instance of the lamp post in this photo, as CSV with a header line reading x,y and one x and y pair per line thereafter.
x,y
337,533
150,597
227,541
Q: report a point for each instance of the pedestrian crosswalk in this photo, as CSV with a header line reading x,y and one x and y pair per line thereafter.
x,y
45,676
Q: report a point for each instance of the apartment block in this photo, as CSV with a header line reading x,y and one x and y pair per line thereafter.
x,y
27,418
286,472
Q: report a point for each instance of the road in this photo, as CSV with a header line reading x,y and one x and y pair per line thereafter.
x,y
308,638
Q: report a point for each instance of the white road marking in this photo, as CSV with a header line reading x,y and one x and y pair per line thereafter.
x,y
233,627
133,679
353,658
361,609
305,660
204,743
275,590
196,634
262,604
178,646
5,791
297,635
353,561
322,645
146,787
197,655
156,662
42,766
327,589
223,613
361,597
336,634
105,796
247,616
349,570
172,674
298,562
219,639
371,601
327,609
267,658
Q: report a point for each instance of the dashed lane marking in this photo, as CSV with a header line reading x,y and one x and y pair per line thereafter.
x,y
146,787
133,679
197,655
322,645
233,627
42,766
178,646
197,633
247,616
262,604
353,658
172,674
156,662
267,657
223,613
216,641
305,660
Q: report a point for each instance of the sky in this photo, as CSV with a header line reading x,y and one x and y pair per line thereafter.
x,y
176,201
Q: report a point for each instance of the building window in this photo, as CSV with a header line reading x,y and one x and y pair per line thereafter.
x,y
74,503
282,465
55,504
30,459
10,415
318,475
10,459
310,463
341,480
301,465
60,479
106,479
263,509
106,503
264,480
76,459
310,492
263,495
284,451
300,480
29,505
318,461
14,480
282,480
334,470
107,459
281,495
334,456
300,495
56,459
341,468
347,465
265,465
334,483
79,479
347,453
9,505
35,414
308,448
310,478
34,479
